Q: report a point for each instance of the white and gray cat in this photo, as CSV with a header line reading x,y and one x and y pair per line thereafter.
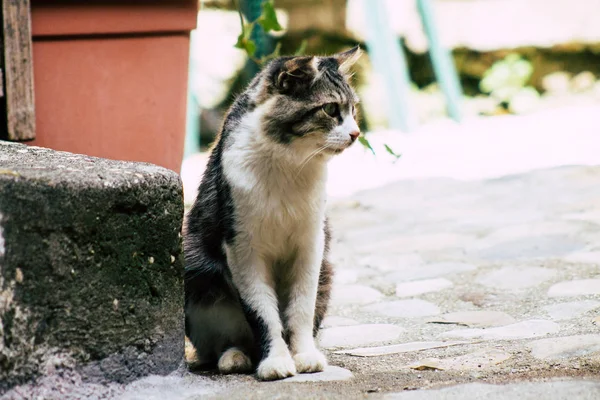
x,y
257,278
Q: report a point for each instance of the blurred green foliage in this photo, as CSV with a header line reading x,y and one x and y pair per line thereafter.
x,y
268,21
507,80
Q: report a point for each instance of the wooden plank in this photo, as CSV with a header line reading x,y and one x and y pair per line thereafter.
x,y
17,71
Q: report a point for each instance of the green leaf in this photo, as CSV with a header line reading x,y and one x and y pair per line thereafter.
x,y
245,43
268,19
250,47
366,143
392,152
240,41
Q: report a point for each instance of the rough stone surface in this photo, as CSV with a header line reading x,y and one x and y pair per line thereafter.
x,y
587,257
354,294
557,390
532,247
430,271
520,330
570,310
411,308
331,373
580,287
565,347
415,288
397,348
359,335
169,387
90,266
333,321
509,278
477,360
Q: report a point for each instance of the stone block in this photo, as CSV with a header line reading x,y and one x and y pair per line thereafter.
x,y
90,266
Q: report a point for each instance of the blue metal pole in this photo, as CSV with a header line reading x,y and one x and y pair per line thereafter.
x,y
388,59
443,64
192,134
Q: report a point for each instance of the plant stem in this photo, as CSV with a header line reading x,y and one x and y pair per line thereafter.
x,y
239,10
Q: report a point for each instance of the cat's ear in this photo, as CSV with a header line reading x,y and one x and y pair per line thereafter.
x,y
348,58
296,72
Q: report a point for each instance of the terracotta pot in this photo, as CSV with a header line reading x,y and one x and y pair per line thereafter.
x,y
111,77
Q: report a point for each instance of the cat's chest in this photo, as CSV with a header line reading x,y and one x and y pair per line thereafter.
x,y
282,207
275,216
276,203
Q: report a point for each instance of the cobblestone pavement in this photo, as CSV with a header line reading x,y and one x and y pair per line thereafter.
x,y
444,289
462,284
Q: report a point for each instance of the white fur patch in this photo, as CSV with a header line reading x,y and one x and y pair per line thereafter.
x,y
234,360
276,368
313,361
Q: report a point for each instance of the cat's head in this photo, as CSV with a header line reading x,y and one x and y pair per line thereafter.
x,y
310,103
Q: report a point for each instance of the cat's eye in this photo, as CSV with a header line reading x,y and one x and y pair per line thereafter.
x,y
331,109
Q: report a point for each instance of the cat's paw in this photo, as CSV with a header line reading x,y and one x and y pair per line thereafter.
x,y
234,361
278,367
310,361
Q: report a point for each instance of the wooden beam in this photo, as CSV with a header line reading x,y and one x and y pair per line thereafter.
x,y
17,72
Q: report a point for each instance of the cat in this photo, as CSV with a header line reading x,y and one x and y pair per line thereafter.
x,y
257,279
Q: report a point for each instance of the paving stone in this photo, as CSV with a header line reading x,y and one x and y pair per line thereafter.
x,y
359,335
410,308
345,276
397,348
565,347
531,247
553,390
331,373
570,310
477,360
415,288
581,287
430,271
588,216
475,318
520,330
584,257
531,229
333,321
354,294
509,278
416,243
389,262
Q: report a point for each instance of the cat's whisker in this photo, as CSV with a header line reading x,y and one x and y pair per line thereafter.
x,y
310,157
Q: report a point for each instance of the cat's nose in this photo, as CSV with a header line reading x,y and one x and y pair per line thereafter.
x,y
354,135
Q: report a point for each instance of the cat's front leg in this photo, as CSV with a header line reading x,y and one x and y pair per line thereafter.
x,y
300,312
255,283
